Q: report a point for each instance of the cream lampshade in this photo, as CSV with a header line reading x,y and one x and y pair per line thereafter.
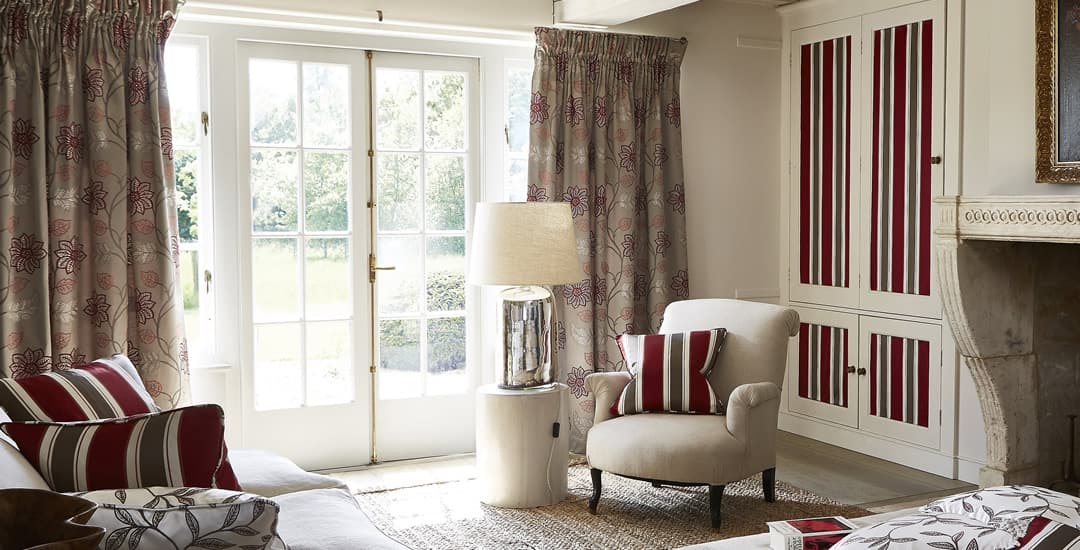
x,y
524,246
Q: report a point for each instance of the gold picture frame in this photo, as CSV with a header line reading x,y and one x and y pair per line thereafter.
x,y
1057,137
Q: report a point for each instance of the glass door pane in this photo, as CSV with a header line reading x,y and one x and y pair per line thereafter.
x,y
422,158
302,262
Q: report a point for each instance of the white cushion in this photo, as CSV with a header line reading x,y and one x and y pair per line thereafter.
x,y
922,531
267,474
328,519
15,471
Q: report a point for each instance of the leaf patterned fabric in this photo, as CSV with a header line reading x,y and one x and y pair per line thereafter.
x,y
89,252
165,517
605,136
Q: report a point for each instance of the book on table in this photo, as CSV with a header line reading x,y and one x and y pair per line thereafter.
x,y
808,533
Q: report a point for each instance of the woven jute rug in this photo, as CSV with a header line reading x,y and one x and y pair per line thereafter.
x,y
632,514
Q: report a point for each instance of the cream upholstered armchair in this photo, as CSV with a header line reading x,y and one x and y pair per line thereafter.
x,y
691,449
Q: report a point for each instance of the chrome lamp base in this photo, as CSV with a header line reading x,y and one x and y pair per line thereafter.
x,y
525,331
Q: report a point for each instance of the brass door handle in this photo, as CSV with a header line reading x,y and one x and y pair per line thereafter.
x,y
372,268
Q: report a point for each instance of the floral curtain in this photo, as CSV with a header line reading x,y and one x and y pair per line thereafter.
x,y
605,137
88,236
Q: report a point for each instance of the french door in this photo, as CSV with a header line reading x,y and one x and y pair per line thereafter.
x,y
321,327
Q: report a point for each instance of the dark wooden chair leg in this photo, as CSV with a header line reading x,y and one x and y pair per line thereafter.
x,y
595,489
716,495
768,484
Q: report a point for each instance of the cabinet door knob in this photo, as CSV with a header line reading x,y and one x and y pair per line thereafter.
x,y
851,369
935,159
862,372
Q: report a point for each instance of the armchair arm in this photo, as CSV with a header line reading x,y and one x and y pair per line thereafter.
x,y
752,409
606,388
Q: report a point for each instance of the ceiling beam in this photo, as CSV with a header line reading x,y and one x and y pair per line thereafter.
x,y
611,12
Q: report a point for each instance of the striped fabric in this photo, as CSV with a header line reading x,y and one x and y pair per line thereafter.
x,y
825,166
1046,534
900,379
823,360
106,388
178,448
901,191
671,373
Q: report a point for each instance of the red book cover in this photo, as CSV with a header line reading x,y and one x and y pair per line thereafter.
x,y
809,533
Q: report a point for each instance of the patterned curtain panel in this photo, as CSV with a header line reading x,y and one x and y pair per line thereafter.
x,y
900,226
606,137
88,230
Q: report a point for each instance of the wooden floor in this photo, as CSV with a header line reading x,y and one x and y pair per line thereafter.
x,y
843,475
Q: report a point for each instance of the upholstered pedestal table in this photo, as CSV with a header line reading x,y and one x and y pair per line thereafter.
x,y
521,456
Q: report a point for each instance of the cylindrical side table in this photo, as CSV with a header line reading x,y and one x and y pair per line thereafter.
x,y
519,462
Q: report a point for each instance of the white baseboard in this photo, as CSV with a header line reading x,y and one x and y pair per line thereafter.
x,y
968,469
920,458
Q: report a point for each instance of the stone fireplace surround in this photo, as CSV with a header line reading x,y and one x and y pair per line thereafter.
x,y
1009,273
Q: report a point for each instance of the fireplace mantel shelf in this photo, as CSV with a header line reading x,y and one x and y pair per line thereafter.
x,y
1051,219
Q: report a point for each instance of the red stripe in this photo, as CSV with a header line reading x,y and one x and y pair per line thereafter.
x,y
226,477
827,127
53,399
873,374
924,184
896,381
844,376
824,364
804,169
699,392
804,362
119,388
699,351
924,383
651,388
900,183
29,438
199,430
875,177
847,173
106,457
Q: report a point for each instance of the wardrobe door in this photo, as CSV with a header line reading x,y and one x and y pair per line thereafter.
x,y
901,387
903,60
821,367
824,111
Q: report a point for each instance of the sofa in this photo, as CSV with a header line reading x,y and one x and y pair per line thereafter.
x,y
317,512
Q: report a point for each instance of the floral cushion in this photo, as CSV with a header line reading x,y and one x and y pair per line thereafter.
x,y
929,530
1011,507
161,517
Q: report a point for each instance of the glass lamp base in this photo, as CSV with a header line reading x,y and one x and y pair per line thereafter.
x,y
525,325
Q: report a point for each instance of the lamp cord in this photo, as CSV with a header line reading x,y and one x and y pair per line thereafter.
x,y
554,442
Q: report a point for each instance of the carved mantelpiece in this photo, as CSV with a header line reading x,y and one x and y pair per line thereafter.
x,y
990,293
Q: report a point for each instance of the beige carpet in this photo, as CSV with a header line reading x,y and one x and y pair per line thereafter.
x,y
633,514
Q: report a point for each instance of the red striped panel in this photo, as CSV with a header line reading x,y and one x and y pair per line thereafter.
x,y
106,450
822,365
51,397
903,394
825,185
804,175
925,190
901,186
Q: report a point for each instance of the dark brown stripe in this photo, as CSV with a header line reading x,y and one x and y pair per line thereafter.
x,y
92,393
675,353
14,407
151,447
63,460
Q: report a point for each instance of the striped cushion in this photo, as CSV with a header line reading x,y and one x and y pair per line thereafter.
x,y
106,388
670,372
178,448
1047,534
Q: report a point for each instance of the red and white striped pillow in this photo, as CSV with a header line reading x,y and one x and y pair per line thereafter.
x,y
106,388
178,448
670,372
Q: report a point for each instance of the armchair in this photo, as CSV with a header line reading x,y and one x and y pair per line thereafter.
x,y
713,450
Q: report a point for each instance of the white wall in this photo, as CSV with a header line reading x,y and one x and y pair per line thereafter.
x,y
999,100
731,144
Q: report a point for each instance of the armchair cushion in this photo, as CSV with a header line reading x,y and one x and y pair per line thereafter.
x,y
670,374
669,447
605,388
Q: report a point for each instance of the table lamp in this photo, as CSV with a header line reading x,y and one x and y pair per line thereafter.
x,y
526,246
